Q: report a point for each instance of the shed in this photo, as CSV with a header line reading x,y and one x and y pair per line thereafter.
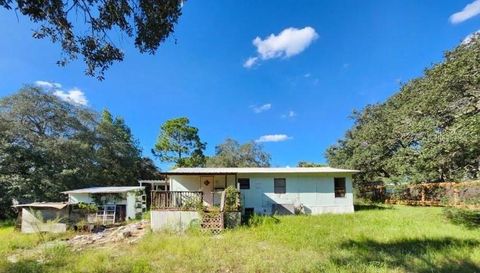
x,y
43,217
115,204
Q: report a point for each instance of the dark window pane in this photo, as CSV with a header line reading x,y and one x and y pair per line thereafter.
x,y
279,185
244,183
339,186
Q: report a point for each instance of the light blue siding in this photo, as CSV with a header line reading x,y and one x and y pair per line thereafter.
x,y
314,192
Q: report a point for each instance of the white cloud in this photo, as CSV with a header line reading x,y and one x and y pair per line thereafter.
x,y
470,37
74,95
273,138
261,108
48,85
250,62
290,42
469,11
290,114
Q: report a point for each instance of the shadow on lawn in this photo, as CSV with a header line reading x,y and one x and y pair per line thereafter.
x,y
412,255
371,207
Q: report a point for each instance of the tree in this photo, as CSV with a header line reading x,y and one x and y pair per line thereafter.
x,y
48,146
178,142
148,170
308,164
427,132
149,22
231,154
117,153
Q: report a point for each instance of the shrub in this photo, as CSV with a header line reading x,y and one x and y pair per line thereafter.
x,y
7,223
232,202
192,203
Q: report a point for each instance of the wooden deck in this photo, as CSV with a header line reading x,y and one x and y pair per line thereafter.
x,y
176,200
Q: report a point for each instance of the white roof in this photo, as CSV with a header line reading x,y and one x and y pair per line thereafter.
x,y
156,181
311,170
56,205
105,190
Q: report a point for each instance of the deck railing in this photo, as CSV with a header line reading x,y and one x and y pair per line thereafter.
x,y
181,200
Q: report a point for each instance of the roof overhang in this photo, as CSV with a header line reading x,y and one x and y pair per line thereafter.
x,y
152,181
106,190
42,205
199,173
231,171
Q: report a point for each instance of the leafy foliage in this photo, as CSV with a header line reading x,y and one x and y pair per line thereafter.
x,y
89,208
179,142
428,131
233,154
48,146
118,155
232,199
148,170
149,22
307,164
193,203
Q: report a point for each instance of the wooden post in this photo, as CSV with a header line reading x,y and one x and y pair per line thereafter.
x,y
455,196
423,195
222,201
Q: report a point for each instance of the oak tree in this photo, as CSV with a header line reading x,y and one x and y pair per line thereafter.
x,y
87,28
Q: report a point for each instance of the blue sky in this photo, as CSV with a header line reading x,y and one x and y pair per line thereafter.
x,y
324,60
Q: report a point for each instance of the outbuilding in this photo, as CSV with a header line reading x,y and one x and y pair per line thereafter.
x,y
43,217
115,204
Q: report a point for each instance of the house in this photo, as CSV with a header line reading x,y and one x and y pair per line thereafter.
x,y
42,217
115,204
262,191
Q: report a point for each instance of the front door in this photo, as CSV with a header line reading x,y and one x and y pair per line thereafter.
x,y
207,188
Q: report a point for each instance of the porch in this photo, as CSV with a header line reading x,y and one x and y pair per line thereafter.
x,y
210,200
191,191
195,200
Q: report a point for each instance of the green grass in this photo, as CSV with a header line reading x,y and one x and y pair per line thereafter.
x,y
398,239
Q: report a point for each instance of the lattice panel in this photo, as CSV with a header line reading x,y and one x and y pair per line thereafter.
x,y
213,222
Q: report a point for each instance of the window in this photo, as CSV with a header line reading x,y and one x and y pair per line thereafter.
x,y
279,185
339,186
249,211
244,183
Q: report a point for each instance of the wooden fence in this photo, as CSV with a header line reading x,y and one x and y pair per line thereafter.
x,y
458,194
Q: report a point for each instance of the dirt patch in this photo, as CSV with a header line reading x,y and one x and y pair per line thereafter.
x,y
130,234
